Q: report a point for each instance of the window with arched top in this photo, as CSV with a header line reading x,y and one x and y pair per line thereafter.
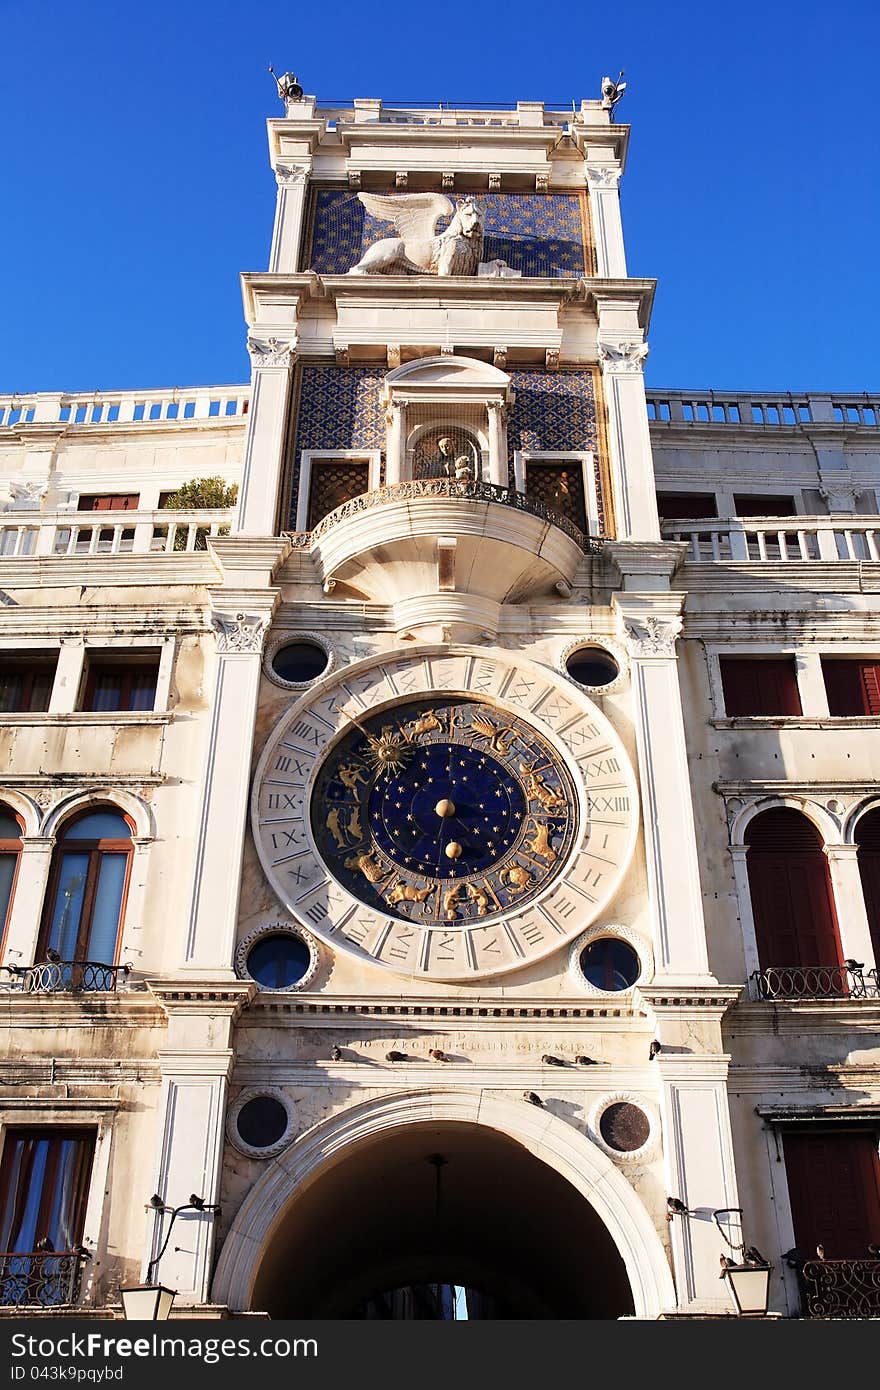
x,y
85,902
867,837
10,853
790,886
447,451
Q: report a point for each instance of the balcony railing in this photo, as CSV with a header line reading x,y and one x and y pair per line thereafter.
x,y
701,408
67,977
198,403
40,1279
445,488
841,1288
814,982
780,540
110,533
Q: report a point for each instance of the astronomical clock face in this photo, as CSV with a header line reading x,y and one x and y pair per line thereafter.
x,y
447,811
453,835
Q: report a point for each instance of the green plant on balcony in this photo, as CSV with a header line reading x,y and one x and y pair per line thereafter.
x,y
200,494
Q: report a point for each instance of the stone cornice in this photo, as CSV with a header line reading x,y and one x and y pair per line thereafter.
x,y
688,433
125,1009
247,563
768,576
494,1012
637,559
708,1002
805,1016
212,997
147,571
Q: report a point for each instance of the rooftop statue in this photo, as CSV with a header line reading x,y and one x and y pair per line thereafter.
x,y
416,250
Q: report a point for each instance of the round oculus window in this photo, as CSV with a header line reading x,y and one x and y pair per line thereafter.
x,y
610,964
261,1122
297,663
592,666
279,960
624,1127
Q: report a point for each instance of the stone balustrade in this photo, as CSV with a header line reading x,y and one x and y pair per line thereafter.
x,y
798,538
201,403
761,408
30,535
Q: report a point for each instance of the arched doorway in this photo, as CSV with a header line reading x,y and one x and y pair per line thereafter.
x,y
403,1205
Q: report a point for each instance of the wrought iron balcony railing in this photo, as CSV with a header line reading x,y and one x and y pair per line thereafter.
x,y
67,977
40,1278
445,488
814,982
841,1288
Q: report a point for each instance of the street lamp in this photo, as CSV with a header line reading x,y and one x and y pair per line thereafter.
x,y
151,1302
748,1278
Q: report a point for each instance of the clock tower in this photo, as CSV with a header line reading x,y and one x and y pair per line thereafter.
x,y
446,849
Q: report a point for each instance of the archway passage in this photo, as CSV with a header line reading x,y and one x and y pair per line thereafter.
x,y
458,1206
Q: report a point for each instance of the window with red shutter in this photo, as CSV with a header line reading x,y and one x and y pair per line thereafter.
x,y
852,686
867,837
759,685
834,1190
109,502
790,887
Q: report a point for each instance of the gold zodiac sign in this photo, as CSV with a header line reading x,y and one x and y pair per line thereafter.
x,y
391,751
406,893
350,774
537,790
352,833
479,897
540,844
428,723
515,878
498,742
371,870
450,903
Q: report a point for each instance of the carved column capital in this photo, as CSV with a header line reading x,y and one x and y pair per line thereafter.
x,y
602,175
291,175
240,632
622,358
271,352
652,636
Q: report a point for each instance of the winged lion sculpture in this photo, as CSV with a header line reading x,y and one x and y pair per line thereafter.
x,y
415,250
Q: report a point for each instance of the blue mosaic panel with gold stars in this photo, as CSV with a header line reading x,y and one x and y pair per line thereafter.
x,y
536,233
445,811
556,411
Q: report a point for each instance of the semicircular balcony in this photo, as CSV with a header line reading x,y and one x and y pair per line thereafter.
x,y
441,551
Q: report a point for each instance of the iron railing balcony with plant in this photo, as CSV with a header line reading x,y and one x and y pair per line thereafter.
x,y
66,977
793,982
40,1278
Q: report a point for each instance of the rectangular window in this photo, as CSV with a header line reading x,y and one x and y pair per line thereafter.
x,y
686,506
125,681
834,1190
759,685
559,486
44,1185
109,502
852,686
762,504
333,482
26,683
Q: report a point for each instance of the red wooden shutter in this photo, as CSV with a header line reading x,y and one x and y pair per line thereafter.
x,y
790,886
834,1190
868,840
870,676
853,687
759,685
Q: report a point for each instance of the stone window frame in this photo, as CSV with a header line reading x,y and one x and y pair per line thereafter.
x,y
71,673
278,928
597,1110
308,458
284,639
86,1112
635,940
807,659
607,644
585,457
236,1106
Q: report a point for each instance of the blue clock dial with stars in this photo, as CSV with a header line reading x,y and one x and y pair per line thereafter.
x,y
446,811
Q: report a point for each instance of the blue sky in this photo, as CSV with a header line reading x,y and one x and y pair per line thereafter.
x,y
136,182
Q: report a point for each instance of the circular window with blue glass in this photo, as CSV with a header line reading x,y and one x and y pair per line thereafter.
x,y
610,960
278,957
